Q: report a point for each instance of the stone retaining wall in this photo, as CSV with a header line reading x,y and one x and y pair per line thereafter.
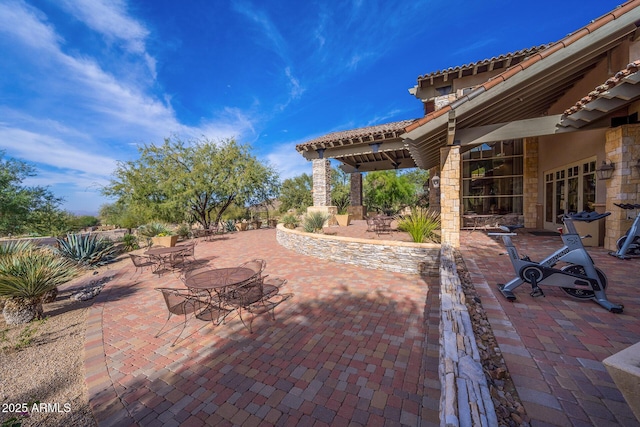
x,y
399,257
465,399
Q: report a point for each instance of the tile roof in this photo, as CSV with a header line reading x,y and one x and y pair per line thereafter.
x,y
603,89
506,61
360,135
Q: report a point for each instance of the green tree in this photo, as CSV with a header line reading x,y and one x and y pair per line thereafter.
x,y
23,208
419,178
340,189
295,193
178,182
388,191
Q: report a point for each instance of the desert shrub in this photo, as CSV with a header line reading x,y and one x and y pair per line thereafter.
x,y
420,224
87,250
26,276
290,220
314,221
183,231
154,229
130,242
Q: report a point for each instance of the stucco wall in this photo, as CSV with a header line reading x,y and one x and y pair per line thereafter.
x,y
399,257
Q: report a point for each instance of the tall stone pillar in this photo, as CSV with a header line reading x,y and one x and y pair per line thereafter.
x,y
530,185
322,190
321,182
355,209
450,195
622,147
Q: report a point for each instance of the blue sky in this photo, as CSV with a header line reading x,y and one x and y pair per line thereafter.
x,y
84,82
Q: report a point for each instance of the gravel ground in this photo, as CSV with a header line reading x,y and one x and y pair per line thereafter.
x,y
43,361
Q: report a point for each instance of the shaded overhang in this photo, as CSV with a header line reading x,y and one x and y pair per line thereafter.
x,y
515,103
365,149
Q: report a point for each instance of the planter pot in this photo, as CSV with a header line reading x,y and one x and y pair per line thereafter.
x,y
343,220
256,225
272,223
167,241
241,226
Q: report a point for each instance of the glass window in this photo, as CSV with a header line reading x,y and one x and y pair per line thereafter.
x,y
493,178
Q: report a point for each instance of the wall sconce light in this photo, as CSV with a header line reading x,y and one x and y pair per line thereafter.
x,y
320,152
435,181
606,170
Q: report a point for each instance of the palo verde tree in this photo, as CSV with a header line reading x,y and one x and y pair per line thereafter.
x,y
23,208
388,191
194,182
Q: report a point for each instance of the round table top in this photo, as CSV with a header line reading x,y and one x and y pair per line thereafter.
x,y
219,277
161,251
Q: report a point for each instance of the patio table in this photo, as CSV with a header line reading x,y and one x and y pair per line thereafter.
x,y
217,280
163,256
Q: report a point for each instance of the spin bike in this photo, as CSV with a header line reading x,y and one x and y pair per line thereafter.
x,y
579,279
629,246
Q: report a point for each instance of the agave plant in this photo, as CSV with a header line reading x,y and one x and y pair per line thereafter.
x,y
87,250
25,277
15,246
153,229
420,224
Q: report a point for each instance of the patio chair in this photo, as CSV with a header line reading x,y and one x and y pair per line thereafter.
x,y
140,262
183,257
257,265
180,302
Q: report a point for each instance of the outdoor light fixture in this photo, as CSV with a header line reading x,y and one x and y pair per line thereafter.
x,y
435,181
320,152
375,146
606,170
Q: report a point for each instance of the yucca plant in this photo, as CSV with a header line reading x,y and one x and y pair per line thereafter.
x,y
314,221
87,250
25,277
420,224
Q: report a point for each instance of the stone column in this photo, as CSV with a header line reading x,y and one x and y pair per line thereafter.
x,y
622,147
530,184
321,182
322,190
450,195
356,210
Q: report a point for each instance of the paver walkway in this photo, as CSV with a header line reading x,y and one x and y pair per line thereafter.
x,y
352,347
554,346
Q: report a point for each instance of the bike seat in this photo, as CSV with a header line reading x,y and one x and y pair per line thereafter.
x,y
588,216
627,206
510,228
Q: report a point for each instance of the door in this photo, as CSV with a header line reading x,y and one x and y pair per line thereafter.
x,y
569,189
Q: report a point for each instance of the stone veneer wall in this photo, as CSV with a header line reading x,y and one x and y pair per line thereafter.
x,y
465,399
399,257
450,195
321,182
622,147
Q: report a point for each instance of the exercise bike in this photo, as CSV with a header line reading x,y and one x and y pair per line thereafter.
x,y
580,279
629,247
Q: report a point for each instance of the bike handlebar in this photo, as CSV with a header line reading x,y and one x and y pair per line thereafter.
x,y
627,206
587,216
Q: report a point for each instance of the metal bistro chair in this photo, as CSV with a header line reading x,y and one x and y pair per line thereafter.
x,y
140,262
180,302
185,256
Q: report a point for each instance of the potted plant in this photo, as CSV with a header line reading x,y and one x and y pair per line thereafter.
x,y
158,234
343,218
272,222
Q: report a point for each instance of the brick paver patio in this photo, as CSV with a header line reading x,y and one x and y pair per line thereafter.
x,y
554,346
352,347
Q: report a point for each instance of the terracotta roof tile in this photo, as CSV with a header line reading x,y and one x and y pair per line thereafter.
x,y
377,132
603,88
